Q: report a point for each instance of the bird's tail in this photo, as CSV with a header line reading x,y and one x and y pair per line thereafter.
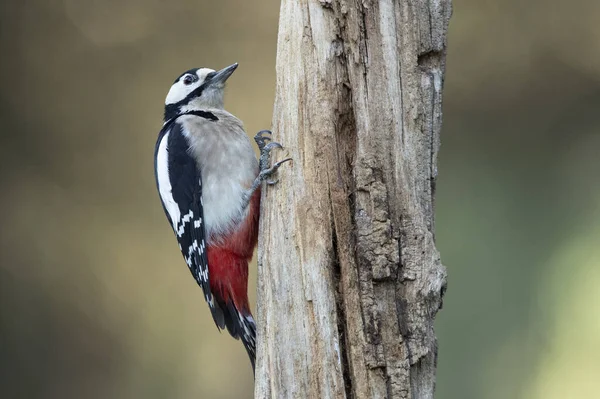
x,y
239,324
245,329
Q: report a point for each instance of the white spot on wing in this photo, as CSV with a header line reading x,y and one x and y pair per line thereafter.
x,y
203,274
186,218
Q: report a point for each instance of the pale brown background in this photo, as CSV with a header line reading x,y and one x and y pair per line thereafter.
x,y
95,300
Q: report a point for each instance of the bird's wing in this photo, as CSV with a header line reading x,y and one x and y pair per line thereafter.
x,y
180,187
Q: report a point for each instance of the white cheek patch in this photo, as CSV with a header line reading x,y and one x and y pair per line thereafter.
x,y
179,91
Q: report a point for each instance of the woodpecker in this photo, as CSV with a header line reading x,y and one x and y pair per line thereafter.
x,y
209,179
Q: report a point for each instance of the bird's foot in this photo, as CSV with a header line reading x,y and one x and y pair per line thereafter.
x,y
265,171
265,145
261,139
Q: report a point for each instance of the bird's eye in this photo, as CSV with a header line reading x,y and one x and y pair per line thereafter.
x,y
188,80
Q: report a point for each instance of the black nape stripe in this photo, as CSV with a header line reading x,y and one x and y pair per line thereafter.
x,y
202,114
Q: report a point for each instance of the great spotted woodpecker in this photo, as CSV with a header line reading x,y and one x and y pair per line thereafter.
x,y
208,179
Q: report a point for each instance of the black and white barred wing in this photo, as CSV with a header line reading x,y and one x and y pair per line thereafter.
x,y
179,184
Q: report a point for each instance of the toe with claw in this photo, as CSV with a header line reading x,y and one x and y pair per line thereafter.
x,y
268,172
265,144
262,138
265,154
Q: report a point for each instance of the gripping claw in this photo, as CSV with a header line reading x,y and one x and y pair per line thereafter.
x,y
265,154
266,144
261,138
265,172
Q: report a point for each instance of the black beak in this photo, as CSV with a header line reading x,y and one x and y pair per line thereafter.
x,y
223,74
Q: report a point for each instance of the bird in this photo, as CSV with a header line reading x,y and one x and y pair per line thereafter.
x,y
209,182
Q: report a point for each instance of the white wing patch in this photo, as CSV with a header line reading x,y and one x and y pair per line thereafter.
x,y
164,184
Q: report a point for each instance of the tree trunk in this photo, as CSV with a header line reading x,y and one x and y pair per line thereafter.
x,y
349,278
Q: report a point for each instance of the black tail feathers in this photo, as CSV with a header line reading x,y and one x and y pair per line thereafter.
x,y
241,325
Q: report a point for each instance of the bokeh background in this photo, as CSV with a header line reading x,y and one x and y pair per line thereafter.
x,y
95,300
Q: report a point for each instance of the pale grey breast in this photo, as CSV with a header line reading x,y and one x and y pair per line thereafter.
x,y
223,151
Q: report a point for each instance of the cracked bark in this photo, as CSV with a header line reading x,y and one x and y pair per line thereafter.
x,y
350,280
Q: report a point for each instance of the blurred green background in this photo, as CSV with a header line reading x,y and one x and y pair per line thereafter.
x,y
95,300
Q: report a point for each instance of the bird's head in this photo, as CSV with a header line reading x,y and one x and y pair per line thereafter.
x,y
197,89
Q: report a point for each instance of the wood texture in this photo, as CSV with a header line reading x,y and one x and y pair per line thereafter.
x,y
350,280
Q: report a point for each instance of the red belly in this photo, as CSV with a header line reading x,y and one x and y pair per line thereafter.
x,y
228,261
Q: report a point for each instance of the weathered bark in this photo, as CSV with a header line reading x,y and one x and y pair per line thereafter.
x,y
349,277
